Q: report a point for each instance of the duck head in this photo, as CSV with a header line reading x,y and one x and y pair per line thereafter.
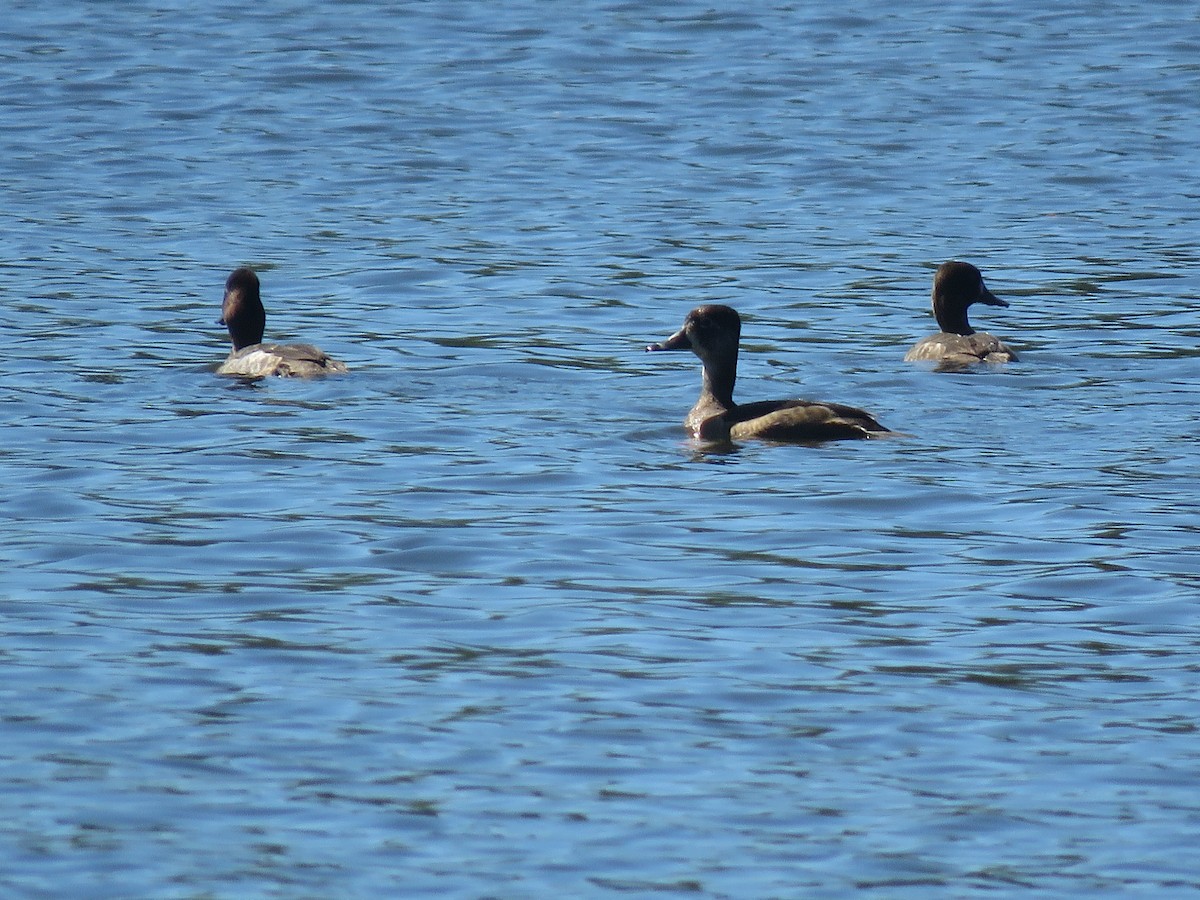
x,y
242,310
711,332
956,285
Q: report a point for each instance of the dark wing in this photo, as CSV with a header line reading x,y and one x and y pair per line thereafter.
x,y
801,420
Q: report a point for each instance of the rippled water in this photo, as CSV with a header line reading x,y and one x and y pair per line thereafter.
x,y
477,620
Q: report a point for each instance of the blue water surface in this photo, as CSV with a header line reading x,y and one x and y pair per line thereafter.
x,y
478,619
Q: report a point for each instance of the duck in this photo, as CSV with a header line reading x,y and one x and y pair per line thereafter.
x,y
956,285
713,332
243,314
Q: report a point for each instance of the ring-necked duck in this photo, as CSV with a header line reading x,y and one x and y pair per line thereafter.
x,y
243,314
957,285
712,333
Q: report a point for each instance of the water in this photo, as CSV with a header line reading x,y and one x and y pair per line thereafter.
x,y
477,620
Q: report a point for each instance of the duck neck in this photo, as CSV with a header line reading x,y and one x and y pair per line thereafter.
x,y
952,320
717,383
716,398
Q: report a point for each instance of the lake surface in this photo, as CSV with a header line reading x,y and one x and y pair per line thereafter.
x,y
478,619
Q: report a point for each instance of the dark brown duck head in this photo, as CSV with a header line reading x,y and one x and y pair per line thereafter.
x,y
711,332
957,285
242,310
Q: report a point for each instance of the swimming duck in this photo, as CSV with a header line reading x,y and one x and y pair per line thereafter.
x,y
712,333
242,312
957,285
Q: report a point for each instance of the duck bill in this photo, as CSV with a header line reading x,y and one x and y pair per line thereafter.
x,y
991,299
678,341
